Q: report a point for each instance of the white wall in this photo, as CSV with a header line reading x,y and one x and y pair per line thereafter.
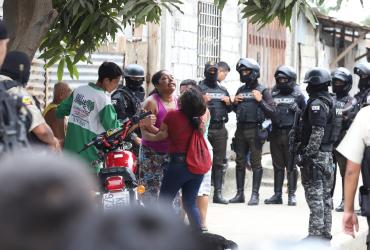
x,y
179,42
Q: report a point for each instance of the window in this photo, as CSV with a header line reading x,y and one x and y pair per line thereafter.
x,y
209,35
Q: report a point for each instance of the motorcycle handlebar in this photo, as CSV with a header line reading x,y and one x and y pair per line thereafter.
x,y
135,120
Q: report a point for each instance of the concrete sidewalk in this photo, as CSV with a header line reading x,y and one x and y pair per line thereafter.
x,y
268,226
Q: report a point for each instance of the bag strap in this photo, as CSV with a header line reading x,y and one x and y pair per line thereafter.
x,y
365,168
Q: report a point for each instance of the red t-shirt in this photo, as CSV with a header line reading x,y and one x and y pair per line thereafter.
x,y
179,131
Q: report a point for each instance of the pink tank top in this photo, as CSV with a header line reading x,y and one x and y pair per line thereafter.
x,y
159,146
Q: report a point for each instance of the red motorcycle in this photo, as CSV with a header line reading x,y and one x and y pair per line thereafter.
x,y
117,175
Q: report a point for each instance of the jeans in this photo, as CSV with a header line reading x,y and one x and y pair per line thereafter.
x,y
176,177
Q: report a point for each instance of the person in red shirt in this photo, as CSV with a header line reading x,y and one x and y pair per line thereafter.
x,y
178,126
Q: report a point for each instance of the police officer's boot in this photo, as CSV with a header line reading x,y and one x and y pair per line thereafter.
x,y
340,208
240,180
292,187
257,177
217,196
278,186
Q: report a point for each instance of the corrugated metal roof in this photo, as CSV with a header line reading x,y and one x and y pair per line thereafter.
x,y
87,73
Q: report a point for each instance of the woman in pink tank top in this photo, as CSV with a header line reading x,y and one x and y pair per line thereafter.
x,y
153,156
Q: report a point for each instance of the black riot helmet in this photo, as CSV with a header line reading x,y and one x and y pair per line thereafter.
x,y
134,76
285,77
363,71
341,81
317,76
318,79
249,70
17,65
211,72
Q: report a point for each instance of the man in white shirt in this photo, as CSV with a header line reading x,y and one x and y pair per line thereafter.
x,y
353,148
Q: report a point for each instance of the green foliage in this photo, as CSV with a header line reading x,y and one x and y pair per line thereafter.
x,y
84,25
262,12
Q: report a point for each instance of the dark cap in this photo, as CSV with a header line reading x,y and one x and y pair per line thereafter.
x,y
209,65
3,31
17,66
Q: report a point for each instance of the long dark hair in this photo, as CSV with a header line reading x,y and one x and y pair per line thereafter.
x,y
155,80
193,106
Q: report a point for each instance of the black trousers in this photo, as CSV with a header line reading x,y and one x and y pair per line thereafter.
x,y
218,140
246,140
279,147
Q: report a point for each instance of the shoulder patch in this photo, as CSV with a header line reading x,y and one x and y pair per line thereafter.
x,y
315,107
27,100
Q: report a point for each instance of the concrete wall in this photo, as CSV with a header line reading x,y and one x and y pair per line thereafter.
x,y
314,52
179,46
179,42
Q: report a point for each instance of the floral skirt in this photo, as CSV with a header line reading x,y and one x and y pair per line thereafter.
x,y
150,174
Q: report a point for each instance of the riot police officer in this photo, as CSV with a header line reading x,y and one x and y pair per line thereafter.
x,y
288,99
344,105
252,104
363,96
316,151
127,98
219,105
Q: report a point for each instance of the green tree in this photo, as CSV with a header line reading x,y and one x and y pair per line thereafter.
x,y
68,31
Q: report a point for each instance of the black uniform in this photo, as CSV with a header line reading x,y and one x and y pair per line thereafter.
x,y
344,108
15,121
318,137
282,121
250,114
217,133
127,99
363,96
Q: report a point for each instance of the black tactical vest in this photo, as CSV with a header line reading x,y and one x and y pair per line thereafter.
x,y
126,102
249,110
342,106
331,132
13,118
216,106
363,98
284,115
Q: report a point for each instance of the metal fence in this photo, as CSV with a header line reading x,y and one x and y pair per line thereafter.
x,y
209,35
42,82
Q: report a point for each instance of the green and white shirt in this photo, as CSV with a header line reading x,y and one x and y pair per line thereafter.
x,y
90,112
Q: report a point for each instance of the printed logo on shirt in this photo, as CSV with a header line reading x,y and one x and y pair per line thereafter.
x,y
86,104
217,96
247,95
315,107
282,100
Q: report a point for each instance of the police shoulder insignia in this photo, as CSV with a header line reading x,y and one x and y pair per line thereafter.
x,y
27,100
315,107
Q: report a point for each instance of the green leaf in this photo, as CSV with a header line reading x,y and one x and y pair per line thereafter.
x,y
75,72
258,3
274,9
82,2
60,71
288,2
90,7
309,15
85,25
144,12
69,65
52,61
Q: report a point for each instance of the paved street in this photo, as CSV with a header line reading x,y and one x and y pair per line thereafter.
x,y
256,227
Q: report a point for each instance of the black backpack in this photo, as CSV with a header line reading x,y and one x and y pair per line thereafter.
x,y
13,121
